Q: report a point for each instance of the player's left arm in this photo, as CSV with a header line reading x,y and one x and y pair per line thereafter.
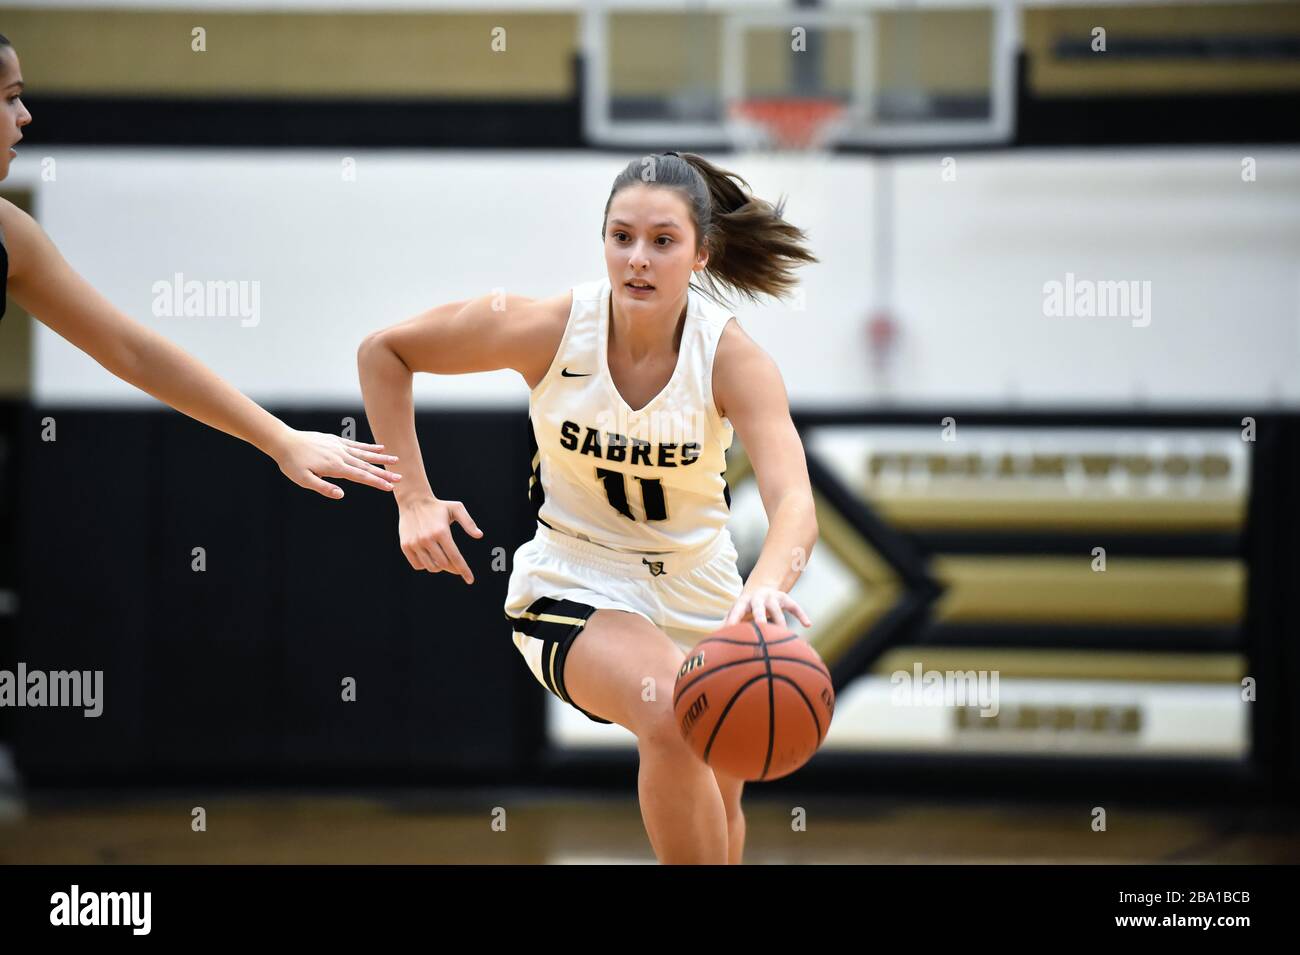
x,y
47,287
749,391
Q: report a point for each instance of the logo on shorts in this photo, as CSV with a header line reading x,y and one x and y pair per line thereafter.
x,y
656,566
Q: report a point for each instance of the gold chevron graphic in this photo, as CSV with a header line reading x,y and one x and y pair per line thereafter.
x,y
881,587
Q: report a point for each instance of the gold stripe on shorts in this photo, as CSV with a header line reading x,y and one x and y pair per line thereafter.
x,y
554,618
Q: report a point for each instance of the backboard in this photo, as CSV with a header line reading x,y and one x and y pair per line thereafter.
x,y
909,73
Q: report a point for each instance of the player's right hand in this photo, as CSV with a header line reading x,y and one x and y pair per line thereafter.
x,y
424,527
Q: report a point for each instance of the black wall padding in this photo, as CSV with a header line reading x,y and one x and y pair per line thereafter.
x,y
234,675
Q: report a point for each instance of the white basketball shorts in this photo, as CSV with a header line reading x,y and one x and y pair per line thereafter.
x,y
557,581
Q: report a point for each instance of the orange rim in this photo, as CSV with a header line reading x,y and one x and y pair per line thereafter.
x,y
791,123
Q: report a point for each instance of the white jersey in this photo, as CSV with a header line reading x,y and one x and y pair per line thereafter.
x,y
645,481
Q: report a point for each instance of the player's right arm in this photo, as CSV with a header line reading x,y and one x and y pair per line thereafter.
x,y
481,334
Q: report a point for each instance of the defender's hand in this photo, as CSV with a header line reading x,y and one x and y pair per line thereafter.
x,y
305,457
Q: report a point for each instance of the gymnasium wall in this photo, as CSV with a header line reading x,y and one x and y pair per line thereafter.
x,y
339,243
226,609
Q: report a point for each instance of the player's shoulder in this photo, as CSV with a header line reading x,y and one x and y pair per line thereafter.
x,y
552,309
14,220
27,247
741,366
735,346
553,312
541,331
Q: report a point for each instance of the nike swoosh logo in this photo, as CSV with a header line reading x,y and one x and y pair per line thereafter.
x,y
573,374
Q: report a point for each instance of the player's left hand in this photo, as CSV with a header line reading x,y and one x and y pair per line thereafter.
x,y
765,605
306,457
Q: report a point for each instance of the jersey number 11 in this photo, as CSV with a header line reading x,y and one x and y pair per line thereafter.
x,y
652,495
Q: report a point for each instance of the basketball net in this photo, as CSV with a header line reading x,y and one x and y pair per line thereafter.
x,y
787,126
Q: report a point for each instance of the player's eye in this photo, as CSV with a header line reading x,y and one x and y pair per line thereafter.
x,y
666,238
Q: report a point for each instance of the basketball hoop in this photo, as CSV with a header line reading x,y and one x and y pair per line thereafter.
x,y
787,124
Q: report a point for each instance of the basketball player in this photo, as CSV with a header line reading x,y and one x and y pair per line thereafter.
x,y
636,382
43,283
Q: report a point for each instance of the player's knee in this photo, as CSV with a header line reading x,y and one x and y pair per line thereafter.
x,y
656,724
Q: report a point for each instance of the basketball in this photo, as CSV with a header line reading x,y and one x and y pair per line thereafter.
x,y
754,700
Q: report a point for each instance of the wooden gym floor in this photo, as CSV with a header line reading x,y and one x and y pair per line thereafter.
x,y
425,827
